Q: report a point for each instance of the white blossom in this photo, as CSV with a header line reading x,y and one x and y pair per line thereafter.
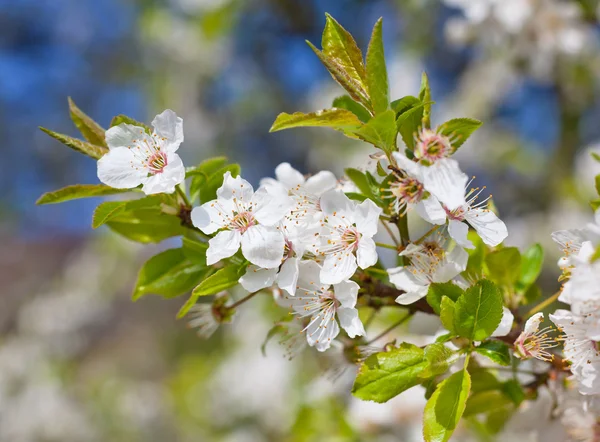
x,y
325,305
572,240
535,343
135,157
247,218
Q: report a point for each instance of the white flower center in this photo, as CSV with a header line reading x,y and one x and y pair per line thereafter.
x,y
431,146
242,221
157,162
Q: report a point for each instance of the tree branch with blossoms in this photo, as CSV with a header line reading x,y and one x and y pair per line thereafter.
x,y
310,243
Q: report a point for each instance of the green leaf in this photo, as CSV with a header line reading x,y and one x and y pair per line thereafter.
x,y
355,88
208,191
425,97
120,119
169,274
222,279
408,124
532,294
598,184
497,351
447,307
513,390
595,204
346,102
90,130
385,375
361,181
377,78
111,209
445,407
78,191
403,104
439,358
201,173
194,250
532,262
504,266
458,130
438,290
596,156
478,311
146,225
474,270
485,402
380,131
83,147
338,119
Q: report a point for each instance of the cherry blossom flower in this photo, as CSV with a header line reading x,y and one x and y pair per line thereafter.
x,y
346,237
244,217
485,222
325,305
506,323
535,343
207,317
135,157
572,240
430,262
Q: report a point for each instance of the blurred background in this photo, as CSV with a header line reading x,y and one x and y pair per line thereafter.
x,y
80,362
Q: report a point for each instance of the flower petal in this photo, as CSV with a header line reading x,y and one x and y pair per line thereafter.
x,y
120,169
415,170
338,267
237,188
271,204
459,232
321,183
224,245
366,216
533,324
403,279
287,279
168,125
366,253
309,277
263,246
350,322
124,135
446,182
336,201
431,210
288,176
455,263
211,216
489,227
321,332
347,293
506,323
165,181
257,278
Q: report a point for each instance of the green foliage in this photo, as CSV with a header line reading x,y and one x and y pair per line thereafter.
x,y
83,147
439,358
346,102
497,351
78,191
385,375
447,310
208,191
458,130
145,225
478,311
504,266
532,262
111,209
409,122
380,131
445,407
377,78
474,270
194,250
366,187
338,119
120,119
169,274
425,97
90,130
438,290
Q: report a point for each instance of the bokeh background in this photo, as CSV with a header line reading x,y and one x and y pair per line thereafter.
x,y
80,362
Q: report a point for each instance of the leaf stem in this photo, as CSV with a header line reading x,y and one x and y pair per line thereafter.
x,y
389,231
390,328
244,299
402,224
386,246
542,305
182,194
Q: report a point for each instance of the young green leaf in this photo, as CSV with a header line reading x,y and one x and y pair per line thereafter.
x,y
346,102
485,402
425,97
504,266
380,131
409,123
377,78
439,358
208,191
385,375
447,307
146,225
531,265
438,290
478,311
83,147
169,274
78,191
403,104
596,156
111,209
119,119
459,130
194,250
90,130
497,351
221,280
361,181
338,119
597,181
445,407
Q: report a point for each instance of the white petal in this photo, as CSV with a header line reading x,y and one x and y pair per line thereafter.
x,y
321,183
237,188
366,216
123,135
506,323
320,334
366,253
168,125
447,182
210,216
165,181
309,277
338,267
287,279
459,232
263,246
533,324
224,245
350,322
288,176
256,278
336,201
271,205
489,227
403,279
431,210
120,169
410,167
347,293
454,263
